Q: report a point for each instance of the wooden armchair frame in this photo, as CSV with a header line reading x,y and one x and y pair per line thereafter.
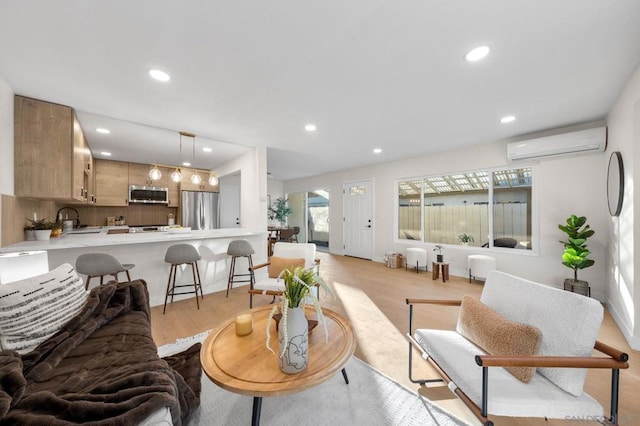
x,y
615,361
252,291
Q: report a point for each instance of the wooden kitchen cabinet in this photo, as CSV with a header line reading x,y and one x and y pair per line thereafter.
x,y
139,175
112,183
50,152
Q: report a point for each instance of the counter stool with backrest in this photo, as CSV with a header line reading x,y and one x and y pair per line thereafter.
x,y
236,249
95,265
182,254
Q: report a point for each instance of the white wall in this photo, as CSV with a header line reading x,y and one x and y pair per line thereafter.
x,y
253,191
562,186
622,290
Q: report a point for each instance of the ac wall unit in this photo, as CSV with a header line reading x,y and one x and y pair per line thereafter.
x,y
582,141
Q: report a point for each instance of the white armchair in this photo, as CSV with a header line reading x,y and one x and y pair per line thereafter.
x,y
285,255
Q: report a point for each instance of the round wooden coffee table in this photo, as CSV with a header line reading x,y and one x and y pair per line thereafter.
x,y
244,365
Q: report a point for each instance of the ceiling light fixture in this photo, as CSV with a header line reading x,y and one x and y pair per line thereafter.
x,y
310,127
105,153
176,175
213,179
377,150
207,149
195,177
477,54
155,172
186,164
103,130
508,119
159,75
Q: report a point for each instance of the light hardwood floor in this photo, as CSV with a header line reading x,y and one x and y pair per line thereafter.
x,y
372,297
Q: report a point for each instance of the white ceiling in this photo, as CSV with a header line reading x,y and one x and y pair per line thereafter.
x,y
368,73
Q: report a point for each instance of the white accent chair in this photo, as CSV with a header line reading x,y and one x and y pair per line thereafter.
x,y
273,286
568,324
415,257
480,265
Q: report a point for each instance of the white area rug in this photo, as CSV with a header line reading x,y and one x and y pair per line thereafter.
x,y
370,398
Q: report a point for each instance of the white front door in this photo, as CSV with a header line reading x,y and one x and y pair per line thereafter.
x,y
229,206
358,219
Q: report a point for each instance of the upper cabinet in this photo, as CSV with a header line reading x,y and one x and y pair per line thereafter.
x,y
112,183
52,158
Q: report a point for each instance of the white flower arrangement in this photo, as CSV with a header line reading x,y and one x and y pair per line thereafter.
x,y
298,285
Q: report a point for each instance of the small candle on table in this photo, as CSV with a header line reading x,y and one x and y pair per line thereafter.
x,y
244,324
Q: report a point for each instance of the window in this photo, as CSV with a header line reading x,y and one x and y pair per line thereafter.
x,y
483,209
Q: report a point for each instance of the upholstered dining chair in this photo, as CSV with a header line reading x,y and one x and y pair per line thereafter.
x,y
285,256
286,235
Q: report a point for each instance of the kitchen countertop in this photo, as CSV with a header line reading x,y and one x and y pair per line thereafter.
x,y
102,238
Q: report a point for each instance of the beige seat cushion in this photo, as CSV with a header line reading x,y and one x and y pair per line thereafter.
x,y
498,335
279,264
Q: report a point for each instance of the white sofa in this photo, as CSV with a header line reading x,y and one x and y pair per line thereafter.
x,y
565,325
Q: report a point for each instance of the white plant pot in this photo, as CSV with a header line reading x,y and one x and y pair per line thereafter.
x,y
29,234
43,234
295,357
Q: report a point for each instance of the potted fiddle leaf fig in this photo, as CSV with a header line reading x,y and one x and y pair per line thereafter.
x,y
280,210
576,252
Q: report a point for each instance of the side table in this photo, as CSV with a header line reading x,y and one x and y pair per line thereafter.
x,y
437,266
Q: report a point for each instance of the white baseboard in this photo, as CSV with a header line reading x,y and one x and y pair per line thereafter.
x,y
633,341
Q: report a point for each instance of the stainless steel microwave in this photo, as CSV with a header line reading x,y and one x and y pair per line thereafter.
x,y
148,194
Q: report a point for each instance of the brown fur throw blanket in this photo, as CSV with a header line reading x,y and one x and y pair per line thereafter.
x,y
102,368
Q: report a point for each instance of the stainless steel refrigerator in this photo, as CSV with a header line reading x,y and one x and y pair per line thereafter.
x,y
200,210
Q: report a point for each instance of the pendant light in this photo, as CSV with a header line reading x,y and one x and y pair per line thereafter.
x,y
155,172
195,177
213,179
176,176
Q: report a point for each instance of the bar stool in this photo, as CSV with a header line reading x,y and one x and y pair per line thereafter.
x,y
236,249
182,254
95,265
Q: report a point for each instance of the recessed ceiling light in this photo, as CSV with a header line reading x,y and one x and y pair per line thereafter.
x,y
310,127
508,119
186,164
105,153
159,75
377,150
103,130
476,54
207,149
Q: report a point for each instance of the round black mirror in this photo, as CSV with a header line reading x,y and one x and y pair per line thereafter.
x,y
615,183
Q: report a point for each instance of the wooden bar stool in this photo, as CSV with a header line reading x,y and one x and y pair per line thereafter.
x,y
182,254
95,265
236,249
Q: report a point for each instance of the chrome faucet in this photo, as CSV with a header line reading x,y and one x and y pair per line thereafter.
x,y
77,220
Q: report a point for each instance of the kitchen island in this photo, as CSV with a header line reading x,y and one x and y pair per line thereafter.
x,y
147,249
